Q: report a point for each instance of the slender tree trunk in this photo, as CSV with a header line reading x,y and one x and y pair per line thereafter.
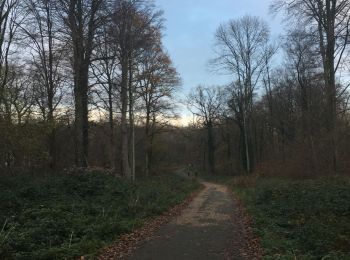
x,y
52,140
51,90
229,152
331,95
327,21
246,144
125,166
148,144
211,148
132,124
111,124
150,153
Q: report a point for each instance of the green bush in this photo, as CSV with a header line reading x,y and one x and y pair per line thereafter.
x,y
60,217
304,219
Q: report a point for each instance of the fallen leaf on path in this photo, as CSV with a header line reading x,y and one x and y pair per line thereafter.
x,y
249,243
127,243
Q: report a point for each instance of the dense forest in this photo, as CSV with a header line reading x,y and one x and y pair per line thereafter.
x,y
280,118
80,82
87,86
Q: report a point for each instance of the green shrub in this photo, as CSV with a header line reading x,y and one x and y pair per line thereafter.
x,y
68,216
303,219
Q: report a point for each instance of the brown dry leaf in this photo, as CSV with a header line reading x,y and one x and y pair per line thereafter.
x,y
127,243
251,248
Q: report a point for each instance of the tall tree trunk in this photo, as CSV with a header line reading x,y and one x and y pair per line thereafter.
x,y
52,140
148,143
81,117
246,144
331,100
125,166
228,148
111,123
211,148
132,124
327,21
51,90
82,22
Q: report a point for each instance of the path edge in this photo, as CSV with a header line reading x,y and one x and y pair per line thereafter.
x,y
251,248
126,244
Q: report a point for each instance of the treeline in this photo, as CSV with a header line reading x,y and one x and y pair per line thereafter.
x,y
88,83
82,82
287,117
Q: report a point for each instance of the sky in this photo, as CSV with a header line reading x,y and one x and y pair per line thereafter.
x,y
190,26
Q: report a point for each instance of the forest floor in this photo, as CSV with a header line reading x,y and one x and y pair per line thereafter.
x,y
206,229
73,216
298,219
251,217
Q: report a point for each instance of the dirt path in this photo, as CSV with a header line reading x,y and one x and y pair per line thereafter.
x,y
204,230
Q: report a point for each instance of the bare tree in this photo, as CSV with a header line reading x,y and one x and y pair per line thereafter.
x,y
206,103
134,27
9,21
158,80
242,48
46,62
330,20
81,19
20,94
304,65
122,20
106,71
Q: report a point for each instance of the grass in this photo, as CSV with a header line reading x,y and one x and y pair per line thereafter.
x,y
300,219
61,217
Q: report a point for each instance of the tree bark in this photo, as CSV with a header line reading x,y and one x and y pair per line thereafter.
x,y
81,118
148,143
132,124
326,20
211,148
125,166
246,144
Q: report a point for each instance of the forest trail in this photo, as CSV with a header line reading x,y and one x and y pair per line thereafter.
x,y
204,230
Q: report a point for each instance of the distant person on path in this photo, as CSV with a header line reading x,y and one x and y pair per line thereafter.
x,y
189,169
